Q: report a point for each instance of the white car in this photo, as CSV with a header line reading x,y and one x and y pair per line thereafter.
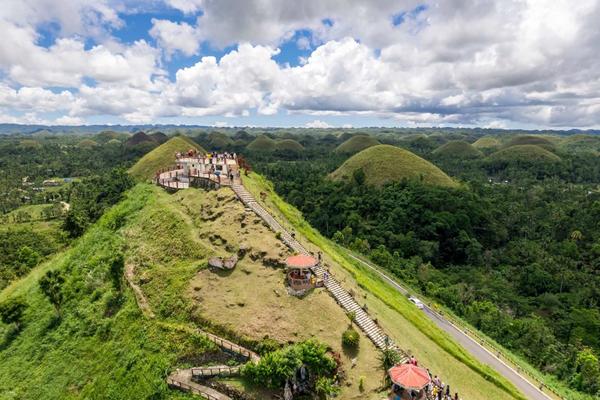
x,y
417,302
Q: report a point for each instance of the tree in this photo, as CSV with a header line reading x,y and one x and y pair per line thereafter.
x,y
587,377
51,285
387,359
11,311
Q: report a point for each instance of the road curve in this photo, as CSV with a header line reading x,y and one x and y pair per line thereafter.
x,y
529,389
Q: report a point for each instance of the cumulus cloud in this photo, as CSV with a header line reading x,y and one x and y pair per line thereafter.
x,y
492,63
317,124
173,36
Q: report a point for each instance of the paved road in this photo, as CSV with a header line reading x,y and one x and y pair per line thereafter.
x,y
530,390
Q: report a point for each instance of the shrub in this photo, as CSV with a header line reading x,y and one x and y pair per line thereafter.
x,y
325,388
350,338
11,311
276,367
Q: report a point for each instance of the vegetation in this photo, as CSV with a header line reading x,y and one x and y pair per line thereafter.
x,y
350,338
486,142
531,140
262,144
356,144
457,149
162,157
275,368
288,145
11,311
523,154
383,164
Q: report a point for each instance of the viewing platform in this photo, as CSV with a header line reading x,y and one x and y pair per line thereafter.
x,y
200,170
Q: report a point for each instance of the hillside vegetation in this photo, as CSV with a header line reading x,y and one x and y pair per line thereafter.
x,y
531,140
457,149
356,143
162,157
384,164
486,142
526,153
262,143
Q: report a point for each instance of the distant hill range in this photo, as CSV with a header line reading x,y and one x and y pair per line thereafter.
x,y
6,129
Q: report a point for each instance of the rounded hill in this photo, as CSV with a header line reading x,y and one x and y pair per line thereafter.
x,y
218,140
139,138
262,143
486,142
383,164
356,143
580,143
162,157
87,144
457,149
524,153
288,145
531,140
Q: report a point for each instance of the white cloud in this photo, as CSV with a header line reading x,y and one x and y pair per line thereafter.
x,y
220,124
66,120
520,61
317,124
173,36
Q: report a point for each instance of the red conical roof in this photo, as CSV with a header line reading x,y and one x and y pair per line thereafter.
x,y
409,376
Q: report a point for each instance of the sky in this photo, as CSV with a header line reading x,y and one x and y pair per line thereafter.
x,y
530,64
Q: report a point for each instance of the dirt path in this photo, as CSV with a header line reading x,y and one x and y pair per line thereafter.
x,y
142,301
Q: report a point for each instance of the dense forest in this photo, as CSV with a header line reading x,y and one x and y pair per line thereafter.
x,y
515,250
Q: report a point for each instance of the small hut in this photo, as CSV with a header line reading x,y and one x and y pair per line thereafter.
x,y
300,275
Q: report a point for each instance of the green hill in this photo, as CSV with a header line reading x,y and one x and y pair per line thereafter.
x,y
356,143
87,144
106,136
525,153
580,143
457,149
218,140
162,157
531,140
288,145
159,137
384,163
262,143
486,142
113,142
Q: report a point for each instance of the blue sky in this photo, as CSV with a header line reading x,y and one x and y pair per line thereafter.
x,y
321,63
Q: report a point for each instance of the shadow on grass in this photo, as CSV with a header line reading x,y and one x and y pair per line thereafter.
x,y
9,336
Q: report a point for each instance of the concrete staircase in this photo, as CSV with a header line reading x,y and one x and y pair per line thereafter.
x,y
343,297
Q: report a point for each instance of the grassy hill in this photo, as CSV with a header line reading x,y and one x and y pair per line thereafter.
x,y
138,139
262,143
531,140
159,137
384,163
162,157
356,143
288,145
87,144
526,153
580,143
457,149
486,142
106,136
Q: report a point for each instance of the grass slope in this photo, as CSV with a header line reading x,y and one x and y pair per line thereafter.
x,y
531,140
162,157
102,347
384,163
356,143
525,153
486,142
262,143
87,144
288,145
409,327
580,143
457,149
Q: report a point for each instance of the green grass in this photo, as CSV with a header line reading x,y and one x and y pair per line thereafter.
x,y
162,157
531,140
97,351
374,285
580,143
457,149
262,143
288,145
384,163
356,143
486,142
525,153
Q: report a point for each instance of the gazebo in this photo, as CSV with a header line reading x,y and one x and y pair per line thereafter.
x,y
409,378
299,272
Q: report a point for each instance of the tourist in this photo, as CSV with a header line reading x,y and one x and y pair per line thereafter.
x,y
456,396
325,277
448,391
